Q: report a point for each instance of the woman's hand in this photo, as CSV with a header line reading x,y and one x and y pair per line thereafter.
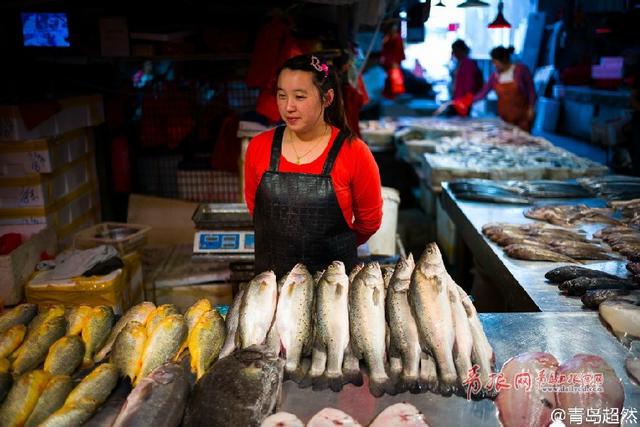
x,y
442,108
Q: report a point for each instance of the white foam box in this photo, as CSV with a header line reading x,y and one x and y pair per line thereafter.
x,y
17,266
41,190
59,117
44,155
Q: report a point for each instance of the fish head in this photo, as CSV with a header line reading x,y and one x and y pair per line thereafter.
x,y
402,272
355,270
298,274
336,267
371,274
431,259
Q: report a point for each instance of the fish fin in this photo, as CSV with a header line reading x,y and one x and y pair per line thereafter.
x,y
320,383
336,382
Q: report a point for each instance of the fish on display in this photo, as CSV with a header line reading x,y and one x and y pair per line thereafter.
x,y
33,350
282,419
72,415
535,253
11,339
612,395
126,352
108,412
400,414
293,324
97,386
585,253
45,315
158,400
329,417
96,332
568,272
257,310
405,341
593,298
632,366
138,313
6,380
65,355
22,398
194,312
77,316
521,407
367,326
623,317
231,324
240,390
331,326
463,345
51,399
580,285
19,315
163,344
429,298
205,341
158,315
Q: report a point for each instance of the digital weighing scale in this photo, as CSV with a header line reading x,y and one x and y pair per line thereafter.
x,y
224,230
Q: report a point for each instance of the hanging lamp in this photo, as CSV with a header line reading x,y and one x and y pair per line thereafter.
x,y
500,21
473,3
440,4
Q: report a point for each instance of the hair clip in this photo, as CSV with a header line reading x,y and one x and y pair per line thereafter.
x,y
323,68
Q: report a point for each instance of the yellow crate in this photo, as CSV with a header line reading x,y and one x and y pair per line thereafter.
x,y
120,289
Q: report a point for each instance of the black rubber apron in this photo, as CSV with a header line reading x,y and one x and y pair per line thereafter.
x,y
297,218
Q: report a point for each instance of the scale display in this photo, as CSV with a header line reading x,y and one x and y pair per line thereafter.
x,y
224,242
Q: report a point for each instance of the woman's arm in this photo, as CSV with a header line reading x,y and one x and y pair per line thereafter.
x,y
525,83
488,86
366,194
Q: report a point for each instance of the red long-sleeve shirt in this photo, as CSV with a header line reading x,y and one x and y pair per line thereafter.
x,y
355,177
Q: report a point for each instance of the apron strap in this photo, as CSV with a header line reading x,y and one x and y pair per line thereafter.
x,y
276,149
331,157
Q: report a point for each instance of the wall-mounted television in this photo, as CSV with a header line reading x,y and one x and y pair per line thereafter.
x,y
45,29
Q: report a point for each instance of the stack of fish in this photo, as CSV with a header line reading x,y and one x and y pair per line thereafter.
x,y
534,404
399,414
622,239
324,329
539,242
515,192
613,187
593,286
571,215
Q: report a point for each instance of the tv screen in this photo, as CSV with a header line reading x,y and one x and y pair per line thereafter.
x,y
45,29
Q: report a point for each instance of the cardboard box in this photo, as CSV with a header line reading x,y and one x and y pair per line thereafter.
x,y
17,267
50,118
44,155
169,219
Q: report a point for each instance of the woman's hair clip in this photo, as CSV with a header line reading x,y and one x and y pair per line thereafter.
x,y
323,68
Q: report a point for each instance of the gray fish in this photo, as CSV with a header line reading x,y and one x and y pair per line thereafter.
x,y
594,297
33,350
354,271
231,325
240,390
331,327
582,284
623,317
257,309
405,341
568,272
72,415
293,323
535,253
367,326
65,355
51,399
95,387
19,315
108,412
632,365
158,400
429,298
163,344
463,345
586,253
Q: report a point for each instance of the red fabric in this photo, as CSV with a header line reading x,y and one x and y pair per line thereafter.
x,y
265,57
466,79
353,101
463,104
394,85
9,242
512,105
227,149
355,177
392,53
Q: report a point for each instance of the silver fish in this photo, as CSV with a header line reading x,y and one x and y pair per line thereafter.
x,y
257,309
231,325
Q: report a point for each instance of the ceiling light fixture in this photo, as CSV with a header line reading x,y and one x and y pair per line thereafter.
x,y
473,3
500,21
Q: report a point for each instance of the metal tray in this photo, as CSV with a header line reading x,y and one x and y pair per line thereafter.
x,y
219,216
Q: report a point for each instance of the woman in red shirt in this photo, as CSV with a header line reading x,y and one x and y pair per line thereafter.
x,y
313,188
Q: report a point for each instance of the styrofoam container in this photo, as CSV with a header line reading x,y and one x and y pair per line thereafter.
x,y
383,242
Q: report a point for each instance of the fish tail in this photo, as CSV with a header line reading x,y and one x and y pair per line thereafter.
x,y
298,374
408,383
336,382
320,383
380,386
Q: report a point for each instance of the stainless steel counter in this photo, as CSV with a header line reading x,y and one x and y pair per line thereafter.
x,y
562,334
522,282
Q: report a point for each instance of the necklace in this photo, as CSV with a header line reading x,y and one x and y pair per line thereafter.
x,y
300,157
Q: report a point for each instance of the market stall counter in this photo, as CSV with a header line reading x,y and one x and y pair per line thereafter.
x,y
522,283
561,334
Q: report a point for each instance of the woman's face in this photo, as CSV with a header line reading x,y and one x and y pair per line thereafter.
x,y
500,66
299,101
